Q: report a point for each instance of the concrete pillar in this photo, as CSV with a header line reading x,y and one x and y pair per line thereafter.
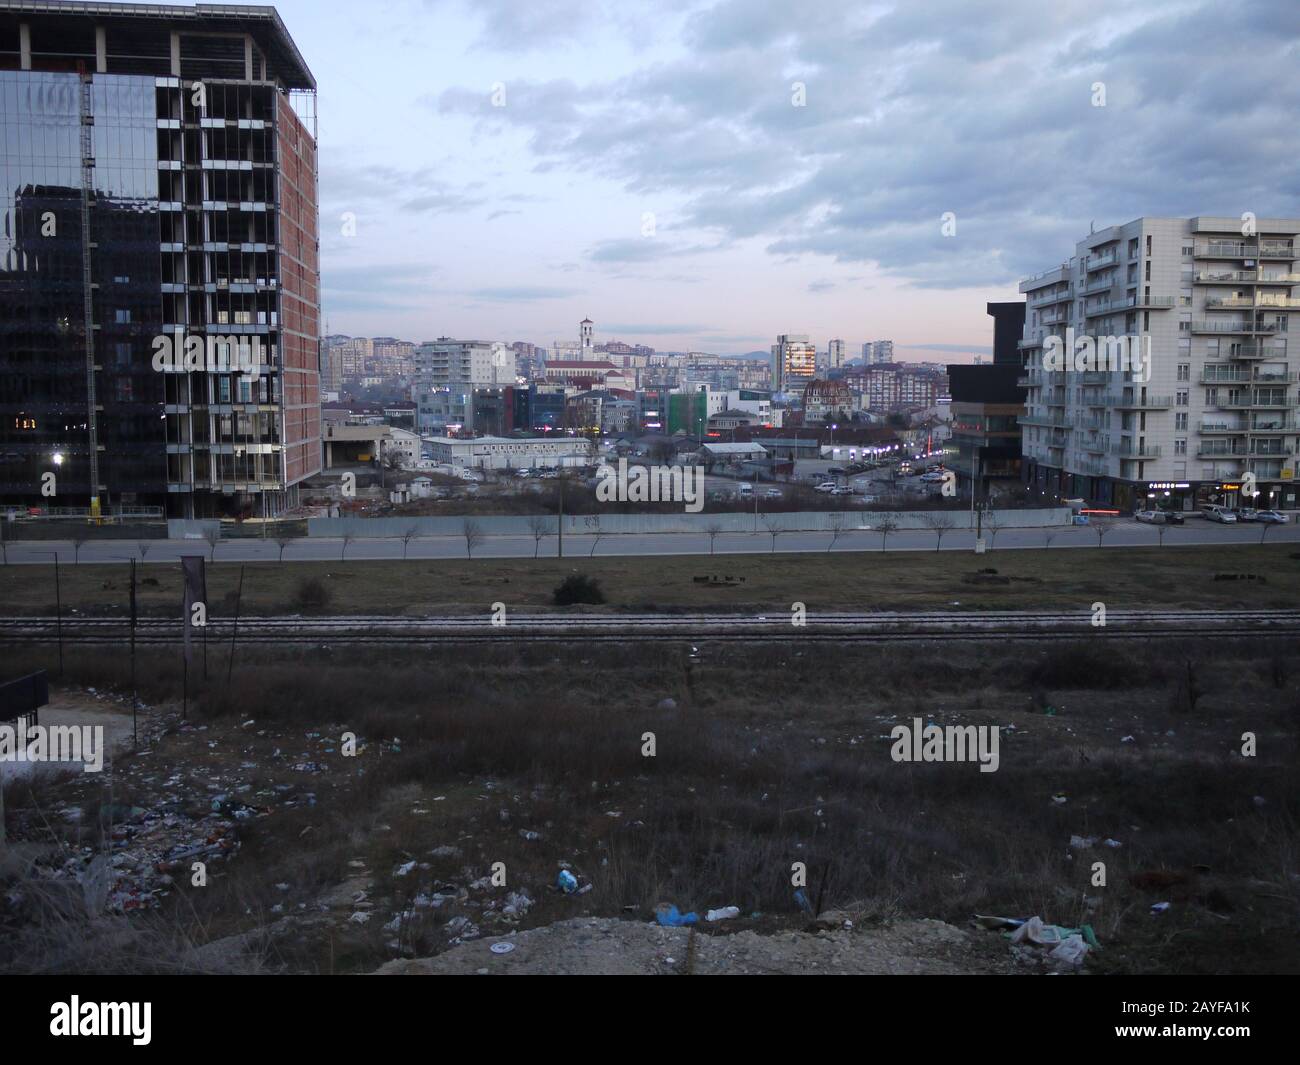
x,y
176,55
25,46
101,50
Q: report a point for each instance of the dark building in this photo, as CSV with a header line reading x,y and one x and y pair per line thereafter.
x,y
987,404
1008,328
159,270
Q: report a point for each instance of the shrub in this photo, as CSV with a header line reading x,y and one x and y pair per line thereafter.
x,y
312,594
578,588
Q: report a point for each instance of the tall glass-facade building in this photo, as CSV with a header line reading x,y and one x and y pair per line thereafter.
x,y
159,260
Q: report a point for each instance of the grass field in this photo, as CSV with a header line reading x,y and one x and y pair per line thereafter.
x,y
1047,579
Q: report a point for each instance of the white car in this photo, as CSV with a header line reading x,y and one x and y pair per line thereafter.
x,y
826,486
772,493
1272,517
1220,514
1151,517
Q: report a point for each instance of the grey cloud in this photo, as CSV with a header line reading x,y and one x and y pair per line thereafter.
x,y
918,109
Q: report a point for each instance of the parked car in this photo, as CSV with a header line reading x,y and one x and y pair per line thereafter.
x,y
826,486
772,493
1272,517
1222,515
745,490
1149,517
1172,517
841,490
835,471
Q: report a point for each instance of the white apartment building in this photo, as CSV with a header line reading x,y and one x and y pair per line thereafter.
x,y
1208,395
794,362
463,364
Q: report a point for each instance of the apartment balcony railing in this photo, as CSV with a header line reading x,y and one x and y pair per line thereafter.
x,y
1220,429
1216,326
1141,403
1043,419
1044,299
1240,249
1232,376
1267,303
1136,451
1099,285
1251,350
1099,262
1245,277
1257,402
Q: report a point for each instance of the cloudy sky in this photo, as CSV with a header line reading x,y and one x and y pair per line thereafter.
x,y
705,174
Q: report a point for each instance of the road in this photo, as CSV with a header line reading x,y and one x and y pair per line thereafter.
x,y
1126,533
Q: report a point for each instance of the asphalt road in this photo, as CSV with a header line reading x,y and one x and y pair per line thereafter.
x,y
1126,533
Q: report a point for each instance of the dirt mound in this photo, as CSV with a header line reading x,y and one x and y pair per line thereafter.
x,y
608,947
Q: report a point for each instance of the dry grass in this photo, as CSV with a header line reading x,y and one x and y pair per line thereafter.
x,y
1074,578
495,740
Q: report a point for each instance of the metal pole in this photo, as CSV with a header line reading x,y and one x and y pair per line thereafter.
x,y
58,611
135,695
561,547
239,595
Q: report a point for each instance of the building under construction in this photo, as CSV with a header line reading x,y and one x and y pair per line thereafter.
x,y
159,260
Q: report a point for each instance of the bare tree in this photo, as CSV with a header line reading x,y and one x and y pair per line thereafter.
x,y
1102,526
994,525
1264,526
391,463
540,526
408,535
1050,534
473,533
938,524
597,534
887,524
773,527
283,542
347,542
836,523
143,547
713,529
78,541
1161,529
213,537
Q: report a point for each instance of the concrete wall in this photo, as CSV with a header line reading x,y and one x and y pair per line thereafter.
x,y
614,524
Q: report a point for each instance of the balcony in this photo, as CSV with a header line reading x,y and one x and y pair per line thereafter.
x,y
1220,429
1141,403
1229,376
1100,262
1267,303
1099,285
1024,345
1254,402
1219,451
1046,299
1281,425
1240,249
1216,326
1244,277
1127,450
1254,351
1050,420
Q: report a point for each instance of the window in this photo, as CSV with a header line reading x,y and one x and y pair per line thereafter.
x,y
1181,399
1184,371
1187,251
1180,422
122,316
1180,447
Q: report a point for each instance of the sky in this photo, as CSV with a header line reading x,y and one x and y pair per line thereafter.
x,y
705,174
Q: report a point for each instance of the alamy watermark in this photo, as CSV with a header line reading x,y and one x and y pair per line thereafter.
x,y
1129,354
946,743
245,355
54,744
651,484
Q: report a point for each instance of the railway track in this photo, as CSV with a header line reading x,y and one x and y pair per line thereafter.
x,y
594,628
